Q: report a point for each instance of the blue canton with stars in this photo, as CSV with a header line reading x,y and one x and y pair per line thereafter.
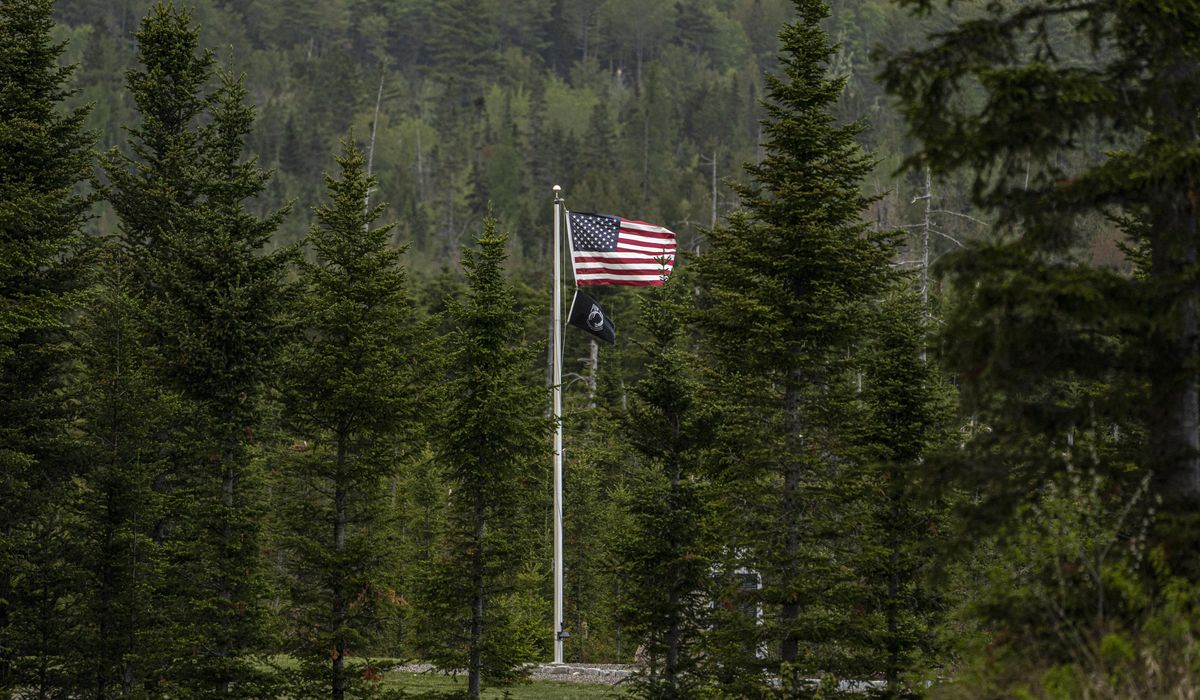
x,y
595,232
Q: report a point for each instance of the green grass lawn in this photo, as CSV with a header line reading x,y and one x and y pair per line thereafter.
x,y
417,683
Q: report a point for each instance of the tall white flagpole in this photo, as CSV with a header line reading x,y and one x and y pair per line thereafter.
x,y
556,316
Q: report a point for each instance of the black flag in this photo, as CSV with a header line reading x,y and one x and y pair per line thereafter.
x,y
587,314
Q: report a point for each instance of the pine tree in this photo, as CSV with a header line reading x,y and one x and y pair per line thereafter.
x,y
480,600
665,564
1074,111
594,518
908,417
784,286
151,188
352,395
1079,381
44,156
228,297
215,299
464,45
123,412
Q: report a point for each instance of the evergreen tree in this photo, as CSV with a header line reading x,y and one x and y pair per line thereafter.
x,y
594,517
464,45
664,562
351,393
150,191
152,187
1074,111
785,284
44,156
480,596
1080,380
227,303
598,156
908,415
123,412
215,299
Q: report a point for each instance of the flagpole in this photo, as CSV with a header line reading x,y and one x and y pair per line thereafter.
x,y
556,316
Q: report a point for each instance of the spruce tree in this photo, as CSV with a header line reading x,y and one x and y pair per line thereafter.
x,y
228,297
1072,122
907,419
665,562
44,156
157,182
1062,115
595,518
479,601
215,299
784,286
352,395
123,412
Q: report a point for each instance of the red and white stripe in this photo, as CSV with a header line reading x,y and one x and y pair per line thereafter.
x,y
644,257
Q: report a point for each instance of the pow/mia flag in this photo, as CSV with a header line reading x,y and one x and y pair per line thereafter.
x,y
587,314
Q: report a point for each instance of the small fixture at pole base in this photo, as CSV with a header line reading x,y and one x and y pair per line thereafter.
x,y
563,633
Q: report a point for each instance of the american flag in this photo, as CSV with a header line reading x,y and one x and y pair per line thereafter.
x,y
608,249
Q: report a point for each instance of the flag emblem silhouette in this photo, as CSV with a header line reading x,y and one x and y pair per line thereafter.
x,y
587,315
595,318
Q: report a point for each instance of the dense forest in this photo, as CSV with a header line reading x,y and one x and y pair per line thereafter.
x,y
916,413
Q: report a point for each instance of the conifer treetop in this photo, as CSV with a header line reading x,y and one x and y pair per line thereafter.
x,y
783,275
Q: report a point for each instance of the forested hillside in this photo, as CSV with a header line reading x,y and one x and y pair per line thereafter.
x,y
912,411
632,107
647,110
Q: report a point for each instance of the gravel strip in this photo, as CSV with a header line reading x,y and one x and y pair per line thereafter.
x,y
598,674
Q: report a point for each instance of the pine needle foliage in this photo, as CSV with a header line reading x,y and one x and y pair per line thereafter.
x,y
784,287
479,606
123,413
45,154
353,400
215,298
153,185
1079,380
908,415
665,554
1062,115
